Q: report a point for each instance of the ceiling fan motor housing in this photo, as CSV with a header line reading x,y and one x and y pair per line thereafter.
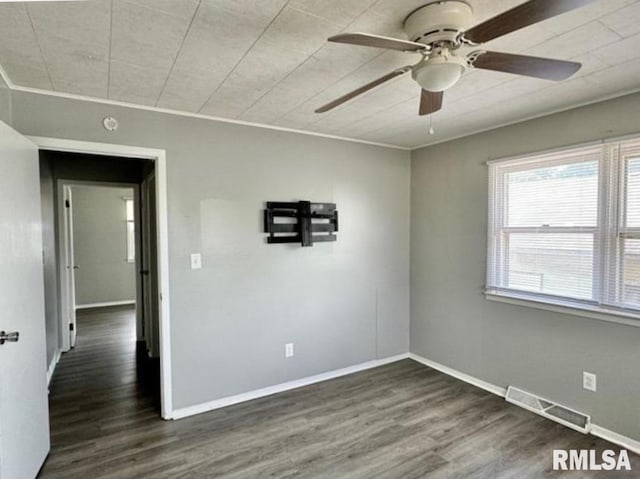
x,y
441,21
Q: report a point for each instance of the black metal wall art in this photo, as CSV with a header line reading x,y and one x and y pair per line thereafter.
x,y
300,222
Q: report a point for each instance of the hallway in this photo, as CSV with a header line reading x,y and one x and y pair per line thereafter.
x,y
99,390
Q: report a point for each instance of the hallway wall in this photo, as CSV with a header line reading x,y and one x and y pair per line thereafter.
x,y
100,245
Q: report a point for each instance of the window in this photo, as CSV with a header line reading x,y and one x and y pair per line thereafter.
x,y
131,230
564,228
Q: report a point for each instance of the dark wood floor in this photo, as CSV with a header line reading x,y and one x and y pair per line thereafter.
x,y
400,421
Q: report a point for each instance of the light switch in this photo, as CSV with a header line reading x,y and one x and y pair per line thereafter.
x,y
288,350
196,261
589,381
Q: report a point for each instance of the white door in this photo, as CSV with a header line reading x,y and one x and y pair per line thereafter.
x,y
69,282
24,414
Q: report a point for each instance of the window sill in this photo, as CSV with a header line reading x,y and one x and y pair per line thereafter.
x,y
584,311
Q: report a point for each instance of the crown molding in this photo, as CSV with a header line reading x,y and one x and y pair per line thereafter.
x,y
71,96
6,78
527,118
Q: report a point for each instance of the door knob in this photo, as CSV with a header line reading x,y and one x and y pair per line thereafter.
x,y
11,337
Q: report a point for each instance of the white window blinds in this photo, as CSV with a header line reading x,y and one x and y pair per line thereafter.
x,y
564,227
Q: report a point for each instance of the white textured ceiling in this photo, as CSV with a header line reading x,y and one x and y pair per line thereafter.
x,y
267,61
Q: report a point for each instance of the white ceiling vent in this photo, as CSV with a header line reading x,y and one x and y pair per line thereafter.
x,y
564,415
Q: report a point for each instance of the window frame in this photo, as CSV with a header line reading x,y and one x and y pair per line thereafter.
x,y
130,239
607,292
623,232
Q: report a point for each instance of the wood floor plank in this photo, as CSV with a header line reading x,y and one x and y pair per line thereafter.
x,y
403,421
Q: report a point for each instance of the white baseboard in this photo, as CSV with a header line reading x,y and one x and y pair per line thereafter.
x,y
278,388
492,388
611,436
52,366
606,434
104,305
614,437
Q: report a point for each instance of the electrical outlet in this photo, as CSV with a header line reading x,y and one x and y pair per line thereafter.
x,y
288,350
589,381
196,261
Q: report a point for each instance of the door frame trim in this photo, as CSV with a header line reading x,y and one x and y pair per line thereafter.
x,y
159,157
61,184
62,242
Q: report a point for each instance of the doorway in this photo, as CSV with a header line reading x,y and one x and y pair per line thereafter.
x,y
99,243
136,182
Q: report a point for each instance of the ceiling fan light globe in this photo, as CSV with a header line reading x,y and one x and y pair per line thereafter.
x,y
436,77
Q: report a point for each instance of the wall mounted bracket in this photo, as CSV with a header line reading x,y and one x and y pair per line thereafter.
x,y
300,222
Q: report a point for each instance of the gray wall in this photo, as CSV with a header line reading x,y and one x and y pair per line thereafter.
x,y
100,245
50,259
451,321
340,303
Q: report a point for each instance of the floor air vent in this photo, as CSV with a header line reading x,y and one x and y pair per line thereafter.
x,y
568,417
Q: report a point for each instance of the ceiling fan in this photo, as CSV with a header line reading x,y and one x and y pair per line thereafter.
x,y
440,31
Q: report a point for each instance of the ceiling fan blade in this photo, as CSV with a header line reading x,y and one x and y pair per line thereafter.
x,y
430,102
528,13
545,68
363,88
377,41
